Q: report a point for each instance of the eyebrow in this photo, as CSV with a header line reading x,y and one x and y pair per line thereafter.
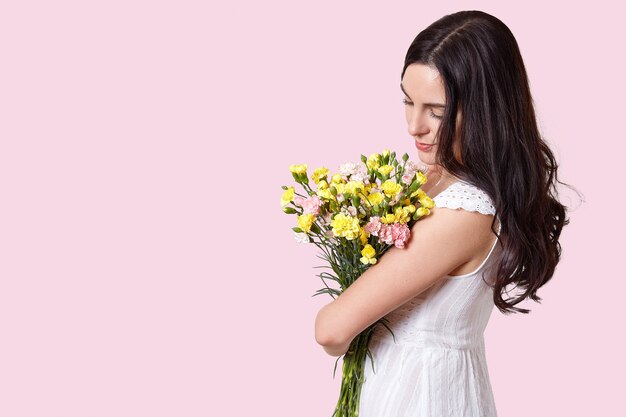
x,y
425,104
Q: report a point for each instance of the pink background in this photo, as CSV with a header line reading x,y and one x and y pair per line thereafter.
x,y
146,268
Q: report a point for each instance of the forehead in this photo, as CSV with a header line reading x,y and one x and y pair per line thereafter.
x,y
423,82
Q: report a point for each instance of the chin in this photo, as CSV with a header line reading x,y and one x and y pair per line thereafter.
x,y
426,158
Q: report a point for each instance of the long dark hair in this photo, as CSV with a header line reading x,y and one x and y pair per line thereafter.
x,y
502,151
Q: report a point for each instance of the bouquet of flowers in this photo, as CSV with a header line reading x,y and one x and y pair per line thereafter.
x,y
354,216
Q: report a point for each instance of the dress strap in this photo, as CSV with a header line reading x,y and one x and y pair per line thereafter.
x,y
462,195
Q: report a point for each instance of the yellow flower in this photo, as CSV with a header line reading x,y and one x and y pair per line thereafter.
x,y
337,179
298,169
421,178
402,215
411,208
385,169
341,188
427,202
390,188
305,221
422,211
375,198
373,162
351,187
388,218
287,196
345,226
322,185
419,193
325,193
368,253
318,174
386,152
364,235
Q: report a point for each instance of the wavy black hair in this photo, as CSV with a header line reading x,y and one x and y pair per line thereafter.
x,y
497,146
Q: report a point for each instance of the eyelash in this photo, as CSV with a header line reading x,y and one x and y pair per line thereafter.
x,y
406,102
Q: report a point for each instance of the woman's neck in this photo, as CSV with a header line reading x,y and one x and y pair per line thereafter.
x,y
438,180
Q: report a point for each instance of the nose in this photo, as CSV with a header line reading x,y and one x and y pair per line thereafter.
x,y
417,125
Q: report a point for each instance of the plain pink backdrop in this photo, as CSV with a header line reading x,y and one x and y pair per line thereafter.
x,y
146,268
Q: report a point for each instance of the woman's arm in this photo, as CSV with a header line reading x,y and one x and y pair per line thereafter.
x,y
438,244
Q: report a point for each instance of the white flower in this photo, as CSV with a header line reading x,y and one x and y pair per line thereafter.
x,y
301,237
394,200
411,167
348,168
358,176
422,167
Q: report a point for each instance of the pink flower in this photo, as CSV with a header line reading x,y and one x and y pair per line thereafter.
x,y
400,233
384,234
349,211
396,234
407,177
310,205
373,226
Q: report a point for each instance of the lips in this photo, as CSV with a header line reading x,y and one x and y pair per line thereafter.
x,y
423,146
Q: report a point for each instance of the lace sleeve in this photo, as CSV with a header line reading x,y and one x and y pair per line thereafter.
x,y
465,196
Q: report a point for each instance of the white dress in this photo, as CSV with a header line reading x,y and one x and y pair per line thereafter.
x,y
437,366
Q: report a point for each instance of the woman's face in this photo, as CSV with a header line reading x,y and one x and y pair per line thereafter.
x,y
424,101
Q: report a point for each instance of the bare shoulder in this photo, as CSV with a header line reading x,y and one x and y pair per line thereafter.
x,y
456,231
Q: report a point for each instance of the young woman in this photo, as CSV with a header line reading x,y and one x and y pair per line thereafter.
x,y
496,223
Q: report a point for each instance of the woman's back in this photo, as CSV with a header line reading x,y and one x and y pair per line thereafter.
x,y
436,366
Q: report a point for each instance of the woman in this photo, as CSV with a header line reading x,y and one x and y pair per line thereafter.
x,y
496,223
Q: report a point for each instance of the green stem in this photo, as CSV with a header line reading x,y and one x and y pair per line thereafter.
x,y
353,375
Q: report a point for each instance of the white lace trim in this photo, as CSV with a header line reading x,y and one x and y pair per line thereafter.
x,y
465,196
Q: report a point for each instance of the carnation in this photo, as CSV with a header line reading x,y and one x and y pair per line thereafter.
x,y
373,226
348,168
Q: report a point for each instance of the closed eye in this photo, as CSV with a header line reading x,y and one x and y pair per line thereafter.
x,y
433,115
